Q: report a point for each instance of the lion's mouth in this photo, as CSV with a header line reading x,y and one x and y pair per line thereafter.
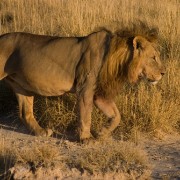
x,y
143,76
154,82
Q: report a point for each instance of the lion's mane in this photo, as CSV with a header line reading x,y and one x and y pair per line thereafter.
x,y
119,61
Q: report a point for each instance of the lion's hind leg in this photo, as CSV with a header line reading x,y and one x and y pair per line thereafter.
x,y
25,101
110,109
26,115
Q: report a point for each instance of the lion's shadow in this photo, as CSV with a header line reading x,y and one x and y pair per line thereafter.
x,y
11,122
9,119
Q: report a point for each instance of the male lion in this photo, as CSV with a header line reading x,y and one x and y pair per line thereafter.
x,y
94,67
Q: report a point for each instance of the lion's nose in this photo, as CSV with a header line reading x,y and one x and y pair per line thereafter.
x,y
162,73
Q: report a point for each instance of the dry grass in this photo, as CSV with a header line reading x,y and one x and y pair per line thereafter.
x,y
117,156
7,158
122,157
149,109
144,109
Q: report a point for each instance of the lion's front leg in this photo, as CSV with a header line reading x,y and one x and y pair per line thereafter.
x,y
109,108
85,110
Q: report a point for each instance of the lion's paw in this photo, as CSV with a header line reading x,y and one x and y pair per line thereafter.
x,y
104,133
44,132
88,141
49,132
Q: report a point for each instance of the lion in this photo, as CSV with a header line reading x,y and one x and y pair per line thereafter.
x,y
95,67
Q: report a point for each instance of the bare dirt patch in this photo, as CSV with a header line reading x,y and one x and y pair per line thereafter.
x,y
164,156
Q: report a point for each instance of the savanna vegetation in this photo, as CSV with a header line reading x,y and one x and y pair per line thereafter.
x,y
145,109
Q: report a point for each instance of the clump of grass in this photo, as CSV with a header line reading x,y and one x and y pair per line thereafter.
x,y
38,156
117,156
25,162
7,159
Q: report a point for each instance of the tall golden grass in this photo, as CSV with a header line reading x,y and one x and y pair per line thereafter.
x,y
144,108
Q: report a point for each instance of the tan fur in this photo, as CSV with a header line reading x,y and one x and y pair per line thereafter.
x,y
95,67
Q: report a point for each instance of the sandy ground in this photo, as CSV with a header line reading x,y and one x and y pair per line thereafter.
x,y
164,154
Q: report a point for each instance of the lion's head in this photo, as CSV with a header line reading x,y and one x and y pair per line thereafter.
x,y
145,62
131,57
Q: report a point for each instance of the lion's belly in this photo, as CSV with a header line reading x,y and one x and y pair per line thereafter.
x,y
45,85
51,88
48,79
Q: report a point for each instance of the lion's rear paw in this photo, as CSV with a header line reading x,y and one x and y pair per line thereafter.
x,y
86,138
88,141
49,132
104,134
44,132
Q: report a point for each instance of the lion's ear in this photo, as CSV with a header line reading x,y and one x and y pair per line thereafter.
x,y
139,42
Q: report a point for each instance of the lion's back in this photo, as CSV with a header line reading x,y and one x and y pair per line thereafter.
x,y
50,65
